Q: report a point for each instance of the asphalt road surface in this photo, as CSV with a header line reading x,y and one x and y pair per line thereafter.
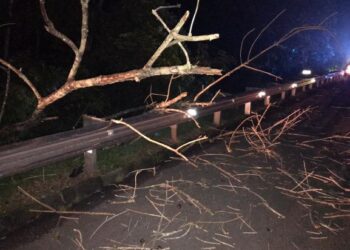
x,y
292,195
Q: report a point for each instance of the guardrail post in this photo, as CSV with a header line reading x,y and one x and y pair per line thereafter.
x,y
90,156
217,118
303,88
267,100
173,130
310,86
247,108
294,91
90,160
283,95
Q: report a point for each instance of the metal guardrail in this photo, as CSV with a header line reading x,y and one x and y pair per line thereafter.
x,y
31,154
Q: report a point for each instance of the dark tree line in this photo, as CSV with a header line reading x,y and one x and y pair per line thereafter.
x,y
123,34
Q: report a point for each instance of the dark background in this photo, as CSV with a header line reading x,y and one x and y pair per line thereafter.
x,y
124,34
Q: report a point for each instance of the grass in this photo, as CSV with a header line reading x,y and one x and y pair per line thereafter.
x,y
40,182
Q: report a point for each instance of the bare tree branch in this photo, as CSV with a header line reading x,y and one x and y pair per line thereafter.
x,y
293,32
84,35
71,84
155,13
175,38
184,113
23,77
133,75
262,32
168,7
262,71
168,39
50,28
79,52
170,102
194,18
182,38
242,44
153,141
169,87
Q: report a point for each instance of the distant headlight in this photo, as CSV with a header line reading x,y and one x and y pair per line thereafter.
x,y
347,69
306,72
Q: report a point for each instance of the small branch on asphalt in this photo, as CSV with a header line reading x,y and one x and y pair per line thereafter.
x,y
78,240
263,140
36,200
200,139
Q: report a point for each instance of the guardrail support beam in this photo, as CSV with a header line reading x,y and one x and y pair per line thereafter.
x,y
294,91
304,88
173,131
310,86
90,156
247,108
267,100
217,118
90,161
283,95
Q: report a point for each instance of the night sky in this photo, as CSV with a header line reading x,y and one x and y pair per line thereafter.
x,y
123,35
233,19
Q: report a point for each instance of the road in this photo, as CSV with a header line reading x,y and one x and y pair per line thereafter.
x,y
297,199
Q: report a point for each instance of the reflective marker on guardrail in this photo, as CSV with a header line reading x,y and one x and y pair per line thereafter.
x,y
192,112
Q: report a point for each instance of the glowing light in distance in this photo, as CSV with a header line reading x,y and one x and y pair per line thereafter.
x,y
342,73
306,72
261,94
192,112
294,85
312,80
90,151
347,70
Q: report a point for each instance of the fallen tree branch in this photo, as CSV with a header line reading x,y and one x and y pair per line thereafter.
x,y
153,141
168,103
136,75
132,75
